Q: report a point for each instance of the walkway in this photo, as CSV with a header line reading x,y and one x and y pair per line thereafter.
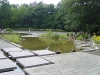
x,y
75,63
4,44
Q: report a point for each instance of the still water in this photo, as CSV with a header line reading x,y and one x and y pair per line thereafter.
x,y
35,43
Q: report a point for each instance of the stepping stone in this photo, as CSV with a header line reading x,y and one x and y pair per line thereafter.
x,y
89,49
85,45
6,50
16,72
32,62
2,56
20,54
43,52
7,65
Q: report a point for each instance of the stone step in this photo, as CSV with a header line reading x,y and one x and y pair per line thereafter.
x,y
6,50
32,62
43,52
7,65
20,54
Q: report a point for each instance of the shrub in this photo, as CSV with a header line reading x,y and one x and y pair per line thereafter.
x,y
9,29
96,39
80,37
85,36
67,34
56,36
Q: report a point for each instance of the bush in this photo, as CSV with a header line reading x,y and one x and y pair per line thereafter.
x,y
9,29
85,36
67,34
56,36
96,39
80,37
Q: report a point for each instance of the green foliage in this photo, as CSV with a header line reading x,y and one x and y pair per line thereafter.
x,y
9,29
12,37
67,34
50,34
63,37
80,37
71,34
56,36
85,36
69,15
79,18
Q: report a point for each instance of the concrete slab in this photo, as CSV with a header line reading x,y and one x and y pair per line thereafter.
x,y
6,50
43,52
7,65
20,54
32,62
5,44
2,56
86,45
16,72
75,63
88,49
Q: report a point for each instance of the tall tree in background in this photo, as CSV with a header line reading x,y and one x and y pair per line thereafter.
x,y
5,13
82,14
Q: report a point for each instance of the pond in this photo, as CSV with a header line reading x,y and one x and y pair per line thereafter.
x,y
35,43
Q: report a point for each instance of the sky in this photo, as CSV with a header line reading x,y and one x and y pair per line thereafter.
x,y
30,1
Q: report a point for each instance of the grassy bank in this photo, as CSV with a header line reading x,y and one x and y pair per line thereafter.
x,y
12,37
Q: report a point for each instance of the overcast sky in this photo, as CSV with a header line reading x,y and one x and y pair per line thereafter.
x,y
29,1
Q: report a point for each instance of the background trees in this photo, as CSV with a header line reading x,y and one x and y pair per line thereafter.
x,y
67,15
5,13
82,14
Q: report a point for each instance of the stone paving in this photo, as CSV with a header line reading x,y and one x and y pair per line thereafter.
x,y
7,50
43,52
77,63
74,63
32,62
4,44
2,56
7,65
20,54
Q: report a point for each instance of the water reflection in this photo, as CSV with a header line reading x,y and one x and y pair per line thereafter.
x,y
34,43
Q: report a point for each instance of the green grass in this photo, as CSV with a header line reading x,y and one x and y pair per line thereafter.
x,y
12,37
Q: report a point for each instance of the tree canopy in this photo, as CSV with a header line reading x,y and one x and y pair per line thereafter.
x,y
67,15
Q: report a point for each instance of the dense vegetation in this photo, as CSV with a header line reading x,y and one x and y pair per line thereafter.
x,y
67,15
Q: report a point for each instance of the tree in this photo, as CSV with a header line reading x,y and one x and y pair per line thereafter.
x,y
5,13
82,14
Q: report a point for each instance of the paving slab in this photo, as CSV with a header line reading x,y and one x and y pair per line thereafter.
x,y
75,63
2,56
20,54
6,65
86,45
43,52
16,72
6,50
5,44
32,62
88,49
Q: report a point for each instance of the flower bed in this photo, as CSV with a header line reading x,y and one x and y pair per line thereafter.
x,y
96,39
